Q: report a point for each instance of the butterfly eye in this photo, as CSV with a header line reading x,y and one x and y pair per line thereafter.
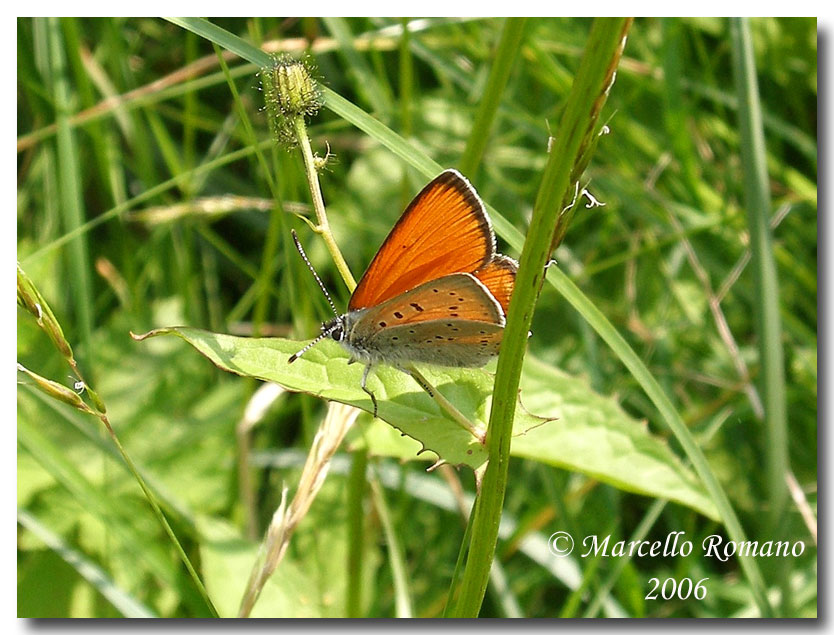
x,y
333,328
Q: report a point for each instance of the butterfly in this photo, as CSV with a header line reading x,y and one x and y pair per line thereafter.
x,y
436,292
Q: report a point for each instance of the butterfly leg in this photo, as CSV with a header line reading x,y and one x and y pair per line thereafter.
x,y
364,386
453,413
423,383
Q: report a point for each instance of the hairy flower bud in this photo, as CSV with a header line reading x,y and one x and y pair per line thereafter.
x,y
290,92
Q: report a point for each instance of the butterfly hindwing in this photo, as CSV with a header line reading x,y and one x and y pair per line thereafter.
x,y
452,321
450,342
459,296
498,275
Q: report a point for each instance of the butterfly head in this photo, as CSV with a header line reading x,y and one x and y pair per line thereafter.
x,y
334,328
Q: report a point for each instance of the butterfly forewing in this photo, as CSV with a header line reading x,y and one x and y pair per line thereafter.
x,y
444,230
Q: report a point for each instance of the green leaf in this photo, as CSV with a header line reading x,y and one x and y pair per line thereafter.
x,y
595,436
323,371
579,430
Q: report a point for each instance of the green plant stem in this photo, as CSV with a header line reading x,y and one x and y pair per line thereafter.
x,y
356,531
395,552
563,285
460,562
505,56
620,347
758,205
589,91
31,298
276,217
769,326
323,226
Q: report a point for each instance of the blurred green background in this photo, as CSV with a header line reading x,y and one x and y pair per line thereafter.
x,y
141,203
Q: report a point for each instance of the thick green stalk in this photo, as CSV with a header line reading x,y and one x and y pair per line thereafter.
x,y
589,91
505,56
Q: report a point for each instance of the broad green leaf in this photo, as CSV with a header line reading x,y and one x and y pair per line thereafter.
x,y
577,429
595,436
323,371
589,433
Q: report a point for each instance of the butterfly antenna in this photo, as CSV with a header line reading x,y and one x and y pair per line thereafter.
x,y
321,336
315,275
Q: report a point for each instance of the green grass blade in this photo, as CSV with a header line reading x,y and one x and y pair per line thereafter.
x,y
356,530
643,376
69,172
365,81
508,49
126,604
127,535
769,326
402,588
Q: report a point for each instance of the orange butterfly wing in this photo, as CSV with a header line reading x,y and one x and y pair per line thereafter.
x,y
444,230
498,275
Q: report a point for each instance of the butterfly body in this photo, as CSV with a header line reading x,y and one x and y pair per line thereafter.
x,y
436,292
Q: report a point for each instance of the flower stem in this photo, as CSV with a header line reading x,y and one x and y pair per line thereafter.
x,y
323,227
